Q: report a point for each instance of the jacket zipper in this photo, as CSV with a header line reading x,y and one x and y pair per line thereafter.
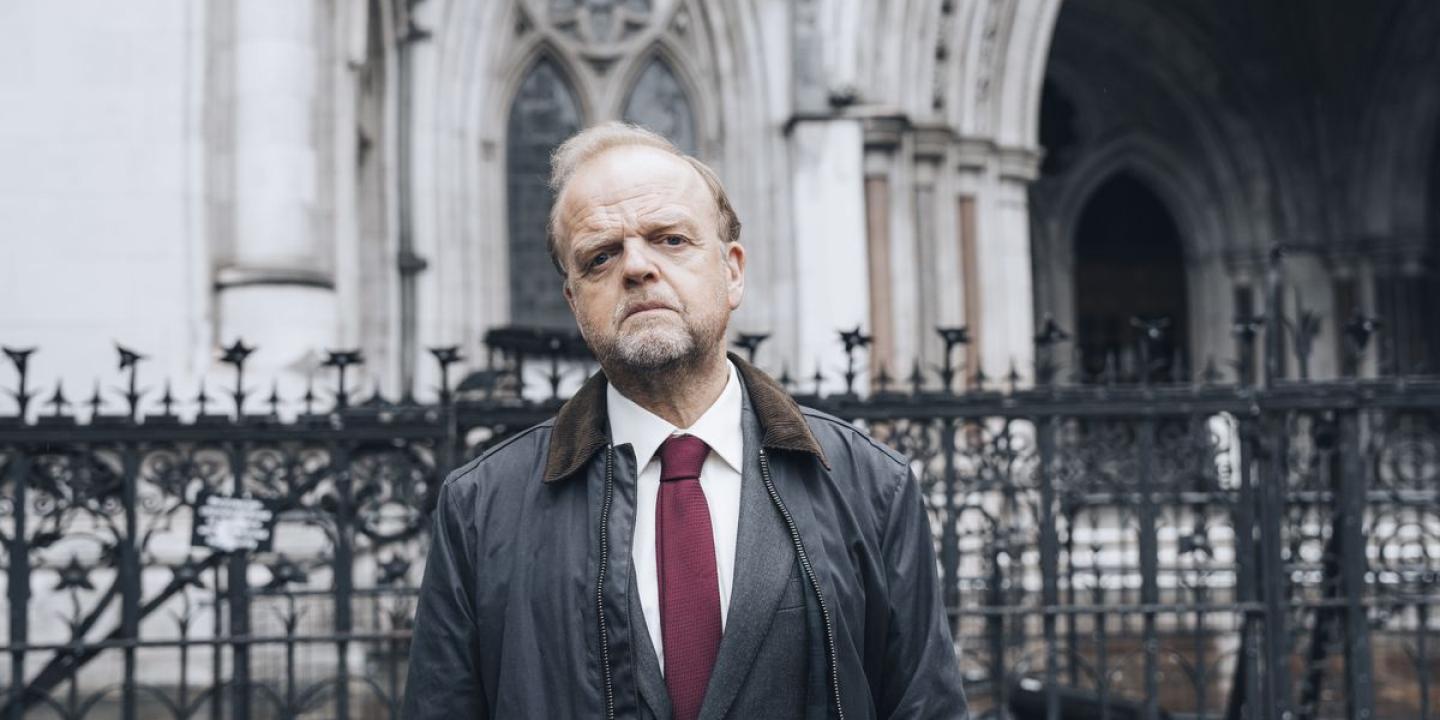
x,y
814,582
600,582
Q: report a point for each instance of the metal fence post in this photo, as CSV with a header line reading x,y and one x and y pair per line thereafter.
x,y
1245,682
1149,567
239,598
130,578
18,583
1350,522
1275,677
949,539
344,576
1049,563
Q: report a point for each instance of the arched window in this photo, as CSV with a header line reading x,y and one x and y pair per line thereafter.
x,y
658,102
543,114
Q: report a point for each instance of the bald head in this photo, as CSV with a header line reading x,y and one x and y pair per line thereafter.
x,y
591,144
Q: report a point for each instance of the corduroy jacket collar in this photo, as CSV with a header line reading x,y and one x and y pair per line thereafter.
x,y
580,426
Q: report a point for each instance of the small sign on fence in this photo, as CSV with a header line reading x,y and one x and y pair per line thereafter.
x,y
228,524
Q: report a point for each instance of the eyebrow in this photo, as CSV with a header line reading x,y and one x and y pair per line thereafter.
x,y
666,219
587,237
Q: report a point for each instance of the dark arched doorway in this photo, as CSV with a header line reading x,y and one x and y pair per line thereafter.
x,y
1129,274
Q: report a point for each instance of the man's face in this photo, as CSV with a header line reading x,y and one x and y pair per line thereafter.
x,y
648,277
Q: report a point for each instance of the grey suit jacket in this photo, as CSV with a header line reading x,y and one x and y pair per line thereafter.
x,y
761,670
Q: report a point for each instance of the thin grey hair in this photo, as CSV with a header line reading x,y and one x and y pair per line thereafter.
x,y
591,142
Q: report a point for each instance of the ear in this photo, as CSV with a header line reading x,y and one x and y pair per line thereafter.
x,y
569,295
735,272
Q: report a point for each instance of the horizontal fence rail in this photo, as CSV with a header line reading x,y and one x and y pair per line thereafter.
x,y
1180,547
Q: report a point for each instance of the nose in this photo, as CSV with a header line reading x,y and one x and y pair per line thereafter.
x,y
637,263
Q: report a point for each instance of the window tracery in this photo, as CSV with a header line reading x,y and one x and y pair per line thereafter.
x,y
544,112
592,51
658,102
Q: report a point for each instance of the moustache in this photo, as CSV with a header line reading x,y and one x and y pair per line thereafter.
x,y
631,308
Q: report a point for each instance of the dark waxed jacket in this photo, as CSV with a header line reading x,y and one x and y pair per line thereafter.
x,y
528,607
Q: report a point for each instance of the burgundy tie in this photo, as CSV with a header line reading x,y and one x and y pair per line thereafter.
x,y
689,584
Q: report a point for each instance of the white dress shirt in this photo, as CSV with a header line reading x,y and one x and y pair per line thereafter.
x,y
719,427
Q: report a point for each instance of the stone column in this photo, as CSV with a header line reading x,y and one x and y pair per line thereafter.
x,y
882,138
1002,332
936,283
832,283
275,281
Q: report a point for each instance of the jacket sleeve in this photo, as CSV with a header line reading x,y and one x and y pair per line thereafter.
x,y
921,669
444,676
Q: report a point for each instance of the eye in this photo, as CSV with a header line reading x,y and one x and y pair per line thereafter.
x,y
673,240
598,260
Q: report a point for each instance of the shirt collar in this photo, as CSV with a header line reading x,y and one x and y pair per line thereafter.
x,y
718,426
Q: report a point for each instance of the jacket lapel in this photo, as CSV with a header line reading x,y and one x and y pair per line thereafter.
x,y
764,561
647,665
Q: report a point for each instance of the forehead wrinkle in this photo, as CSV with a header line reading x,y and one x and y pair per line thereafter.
x,y
640,209
600,196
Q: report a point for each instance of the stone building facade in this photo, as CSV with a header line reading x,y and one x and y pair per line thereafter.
x,y
313,174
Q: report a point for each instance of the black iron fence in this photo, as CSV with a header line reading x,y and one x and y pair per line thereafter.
x,y
1198,548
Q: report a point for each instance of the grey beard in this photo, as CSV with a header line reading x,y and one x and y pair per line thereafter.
x,y
654,351
648,358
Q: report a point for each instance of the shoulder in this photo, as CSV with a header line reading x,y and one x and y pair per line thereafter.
x,y
868,475
514,461
860,465
831,431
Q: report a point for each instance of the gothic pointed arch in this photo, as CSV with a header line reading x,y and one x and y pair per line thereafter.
x,y
1129,283
659,101
543,112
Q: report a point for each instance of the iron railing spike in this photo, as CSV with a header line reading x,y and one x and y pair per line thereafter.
x,y
20,358
750,343
1211,374
377,396
57,400
883,379
341,360
167,401
309,397
202,399
951,336
917,377
96,402
444,357
853,340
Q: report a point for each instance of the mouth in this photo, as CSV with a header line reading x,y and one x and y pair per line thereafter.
x,y
647,308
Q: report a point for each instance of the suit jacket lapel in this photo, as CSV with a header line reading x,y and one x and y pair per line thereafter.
x,y
764,561
647,665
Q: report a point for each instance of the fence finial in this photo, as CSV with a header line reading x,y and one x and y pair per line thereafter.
x,y
445,357
951,336
341,360
853,340
20,358
235,355
130,360
750,343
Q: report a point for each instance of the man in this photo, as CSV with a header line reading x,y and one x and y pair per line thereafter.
x,y
681,540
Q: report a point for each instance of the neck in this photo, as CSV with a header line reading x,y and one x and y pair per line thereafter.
x,y
679,394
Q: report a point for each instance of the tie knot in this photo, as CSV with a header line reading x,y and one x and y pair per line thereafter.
x,y
681,457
